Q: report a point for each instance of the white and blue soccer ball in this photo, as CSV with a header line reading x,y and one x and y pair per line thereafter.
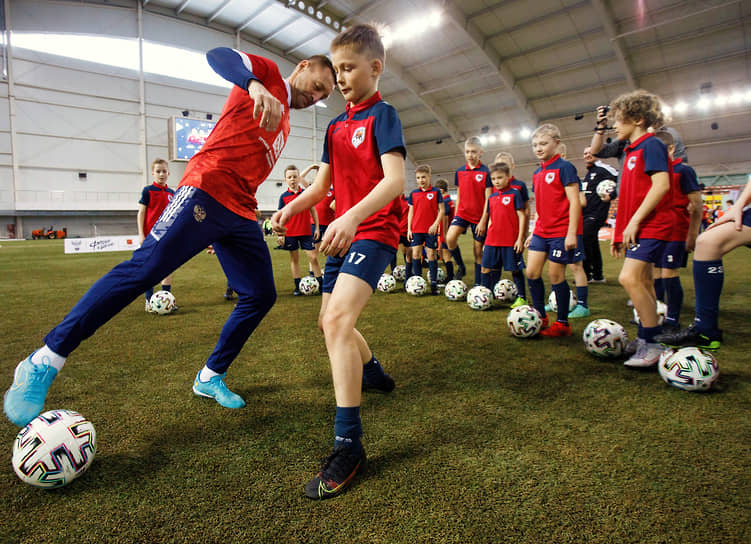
x,y
605,338
386,283
455,290
524,321
505,291
440,275
162,302
479,298
309,286
605,188
399,272
690,369
54,449
416,286
662,313
553,303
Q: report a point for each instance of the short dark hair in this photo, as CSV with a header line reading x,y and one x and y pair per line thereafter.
x,y
500,167
424,168
290,167
442,184
665,137
325,61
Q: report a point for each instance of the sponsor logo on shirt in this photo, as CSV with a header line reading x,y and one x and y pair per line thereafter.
x,y
631,163
549,177
358,137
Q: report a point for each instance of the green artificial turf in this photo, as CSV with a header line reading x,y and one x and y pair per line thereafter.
x,y
486,438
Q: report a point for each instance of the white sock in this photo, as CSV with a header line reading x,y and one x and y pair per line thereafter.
x,y
206,374
45,356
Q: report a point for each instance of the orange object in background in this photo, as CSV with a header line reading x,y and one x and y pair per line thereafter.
x,y
49,233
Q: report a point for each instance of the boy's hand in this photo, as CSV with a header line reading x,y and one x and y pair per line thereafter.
x,y
630,234
278,220
339,236
616,249
409,235
433,229
602,117
570,242
481,226
266,105
527,241
690,243
734,214
519,245
316,235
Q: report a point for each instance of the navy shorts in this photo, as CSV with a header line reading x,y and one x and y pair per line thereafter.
x,y
321,231
747,217
291,243
674,255
420,238
366,259
403,241
463,223
495,258
556,248
648,250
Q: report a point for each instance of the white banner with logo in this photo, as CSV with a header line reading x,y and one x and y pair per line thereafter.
x,y
101,243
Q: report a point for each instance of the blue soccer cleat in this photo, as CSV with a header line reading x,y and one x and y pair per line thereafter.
x,y
579,311
216,389
25,399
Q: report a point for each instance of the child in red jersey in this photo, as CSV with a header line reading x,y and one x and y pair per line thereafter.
x,y
423,220
504,242
298,233
645,213
363,158
448,216
154,198
557,236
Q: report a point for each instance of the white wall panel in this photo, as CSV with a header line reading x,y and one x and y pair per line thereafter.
x,y
41,16
64,153
158,28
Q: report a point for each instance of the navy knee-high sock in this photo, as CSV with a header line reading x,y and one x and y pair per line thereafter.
x,y
347,427
660,289
581,295
416,267
708,279
449,271
494,277
433,272
478,274
537,293
562,298
674,293
457,256
485,280
518,278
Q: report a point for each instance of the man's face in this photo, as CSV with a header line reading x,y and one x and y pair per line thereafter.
x,y
309,83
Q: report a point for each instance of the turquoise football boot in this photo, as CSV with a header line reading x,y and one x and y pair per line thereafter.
x,y
216,389
25,399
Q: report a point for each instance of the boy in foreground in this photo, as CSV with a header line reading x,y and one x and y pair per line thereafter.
x,y
363,158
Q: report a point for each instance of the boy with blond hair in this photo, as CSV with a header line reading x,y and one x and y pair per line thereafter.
x,y
645,216
154,198
425,215
363,157
558,230
473,190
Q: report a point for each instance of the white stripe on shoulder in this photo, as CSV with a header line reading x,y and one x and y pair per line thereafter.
x,y
607,167
246,60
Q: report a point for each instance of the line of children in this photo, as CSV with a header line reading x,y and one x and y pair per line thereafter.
x,y
154,199
426,210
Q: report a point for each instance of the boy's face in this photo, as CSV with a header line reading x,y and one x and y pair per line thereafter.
x,y
545,147
473,154
671,150
624,127
160,173
500,180
423,180
356,74
292,177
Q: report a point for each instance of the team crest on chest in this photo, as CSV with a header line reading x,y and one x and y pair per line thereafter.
x,y
631,163
506,200
479,177
429,196
358,137
549,177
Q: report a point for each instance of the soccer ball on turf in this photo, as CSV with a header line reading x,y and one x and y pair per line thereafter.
x,y
505,291
54,449
479,298
692,369
605,338
440,275
387,283
416,285
455,290
524,321
605,187
662,312
553,303
309,285
162,302
399,272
